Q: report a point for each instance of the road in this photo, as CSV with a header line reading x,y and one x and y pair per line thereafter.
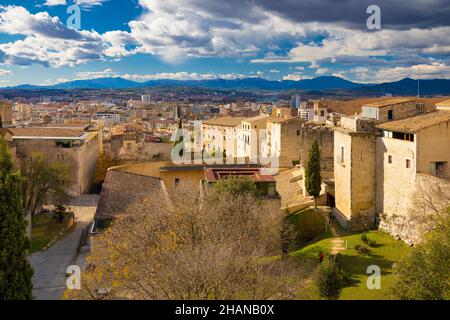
x,y
49,279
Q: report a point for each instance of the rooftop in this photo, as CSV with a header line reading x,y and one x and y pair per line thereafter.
x,y
414,124
216,174
113,199
386,103
225,121
257,118
444,104
30,133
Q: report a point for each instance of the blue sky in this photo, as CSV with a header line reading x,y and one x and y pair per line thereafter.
x,y
198,39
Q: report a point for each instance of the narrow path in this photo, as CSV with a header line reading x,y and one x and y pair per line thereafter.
x,y
49,279
337,243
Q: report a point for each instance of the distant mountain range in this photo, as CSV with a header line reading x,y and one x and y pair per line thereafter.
x,y
405,86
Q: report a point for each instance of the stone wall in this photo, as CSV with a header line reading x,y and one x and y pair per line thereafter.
x,y
324,136
290,146
409,226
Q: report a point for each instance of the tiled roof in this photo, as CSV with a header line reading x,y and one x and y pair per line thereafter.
x,y
121,189
257,118
47,132
386,103
414,124
445,103
225,121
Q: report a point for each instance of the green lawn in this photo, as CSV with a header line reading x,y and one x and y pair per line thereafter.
x,y
385,254
44,229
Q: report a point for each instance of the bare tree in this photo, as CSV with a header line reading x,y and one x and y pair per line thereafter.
x,y
432,198
222,246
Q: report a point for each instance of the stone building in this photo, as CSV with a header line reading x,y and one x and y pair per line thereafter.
x,y
78,148
379,168
250,133
407,152
282,142
393,109
354,172
128,184
325,137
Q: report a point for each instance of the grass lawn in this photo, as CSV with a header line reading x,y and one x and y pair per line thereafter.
x,y
385,254
44,229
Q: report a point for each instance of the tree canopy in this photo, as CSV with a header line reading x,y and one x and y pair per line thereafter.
x,y
15,270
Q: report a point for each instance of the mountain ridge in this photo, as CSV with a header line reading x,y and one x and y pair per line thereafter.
x,y
406,86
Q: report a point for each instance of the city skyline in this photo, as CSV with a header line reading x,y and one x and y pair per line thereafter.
x,y
197,40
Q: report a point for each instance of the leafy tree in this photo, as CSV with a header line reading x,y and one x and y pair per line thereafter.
x,y
424,274
236,186
313,179
15,270
43,178
329,280
105,161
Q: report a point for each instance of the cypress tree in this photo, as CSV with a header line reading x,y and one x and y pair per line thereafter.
x,y
313,179
15,270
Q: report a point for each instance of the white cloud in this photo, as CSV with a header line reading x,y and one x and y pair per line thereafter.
x,y
435,70
5,72
89,3
47,40
182,76
323,71
342,43
85,75
51,3
295,77
274,71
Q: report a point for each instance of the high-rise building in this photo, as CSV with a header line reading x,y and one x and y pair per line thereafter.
x,y
296,101
146,98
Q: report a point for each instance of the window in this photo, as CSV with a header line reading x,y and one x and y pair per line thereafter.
x,y
177,182
390,114
389,158
408,163
438,169
342,158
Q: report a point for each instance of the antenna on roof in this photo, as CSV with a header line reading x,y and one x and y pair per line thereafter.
x,y
418,88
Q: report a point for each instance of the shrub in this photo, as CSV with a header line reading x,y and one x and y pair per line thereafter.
x,y
364,238
329,280
362,248
308,224
59,213
372,243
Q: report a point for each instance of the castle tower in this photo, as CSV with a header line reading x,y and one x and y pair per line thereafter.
x,y
354,173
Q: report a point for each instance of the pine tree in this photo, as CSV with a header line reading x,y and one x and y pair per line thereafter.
x,y
313,179
15,270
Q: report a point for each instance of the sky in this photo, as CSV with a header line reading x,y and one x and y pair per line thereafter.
x,y
206,39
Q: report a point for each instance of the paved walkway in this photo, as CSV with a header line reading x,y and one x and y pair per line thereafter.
x,y
49,280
